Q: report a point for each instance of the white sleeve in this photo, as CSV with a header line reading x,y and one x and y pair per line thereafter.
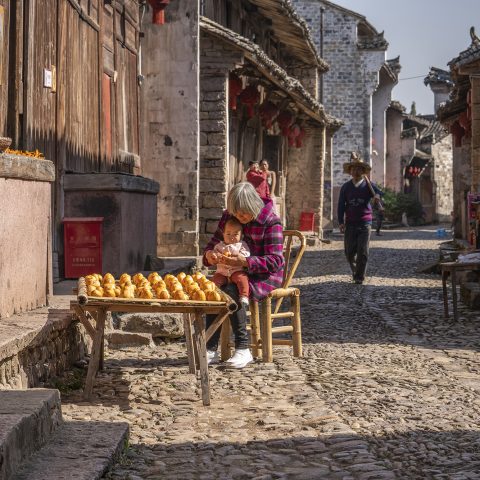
x,y
244,250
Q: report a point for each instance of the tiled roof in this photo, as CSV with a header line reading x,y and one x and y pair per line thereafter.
x,y
471,54
377,42
437,75
257,57
291,30
394,64
410,133
433,133
396,105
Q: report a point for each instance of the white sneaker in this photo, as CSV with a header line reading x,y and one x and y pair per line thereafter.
x,y
245,302
240,359
212,357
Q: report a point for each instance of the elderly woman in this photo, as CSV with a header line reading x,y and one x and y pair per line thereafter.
x,y
263,233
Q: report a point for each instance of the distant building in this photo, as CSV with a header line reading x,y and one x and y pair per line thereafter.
x,y
461,115
419,160
356,89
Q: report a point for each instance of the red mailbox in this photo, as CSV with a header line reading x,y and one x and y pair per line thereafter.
x,y
83,246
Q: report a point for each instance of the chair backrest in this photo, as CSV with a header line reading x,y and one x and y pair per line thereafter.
x,y
291,261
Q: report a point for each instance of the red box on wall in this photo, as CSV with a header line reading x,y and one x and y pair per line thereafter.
x,y
83,246
307,222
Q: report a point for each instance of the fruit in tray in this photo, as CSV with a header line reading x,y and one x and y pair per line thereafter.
x,y
195,287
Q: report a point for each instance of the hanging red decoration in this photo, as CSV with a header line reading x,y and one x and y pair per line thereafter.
x,y
300,138
465,123
158,15
268,111
234,88
410,169
293,133
285,120
250,96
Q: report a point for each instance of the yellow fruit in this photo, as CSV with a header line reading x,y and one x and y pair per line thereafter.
x,y
153,276
108,278
109,292
176,287
213,296
124,277
208,286
188,280
193,287
160,284
98,292
197,276
181,276
180,295
163,294
137,278
199,295
128,292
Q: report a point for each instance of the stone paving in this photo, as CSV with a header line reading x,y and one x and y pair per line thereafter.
x,y
387,388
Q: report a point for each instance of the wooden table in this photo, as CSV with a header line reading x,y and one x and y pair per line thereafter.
x,y
92,312
451,268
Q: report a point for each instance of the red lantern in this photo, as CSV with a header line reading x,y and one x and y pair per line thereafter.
x,y
410,169
250,96
293,133
285,120
268,111
234,88
158,15
300,137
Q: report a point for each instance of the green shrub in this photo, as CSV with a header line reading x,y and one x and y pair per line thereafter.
x,y
397,202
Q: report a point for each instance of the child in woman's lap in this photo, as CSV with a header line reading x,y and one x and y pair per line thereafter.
x,y
232,245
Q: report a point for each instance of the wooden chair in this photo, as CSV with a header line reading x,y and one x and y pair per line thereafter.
x,y
264,313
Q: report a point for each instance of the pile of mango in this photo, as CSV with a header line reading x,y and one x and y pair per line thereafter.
x,y
181,287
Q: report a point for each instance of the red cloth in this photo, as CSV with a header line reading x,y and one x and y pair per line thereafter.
x,y
259,181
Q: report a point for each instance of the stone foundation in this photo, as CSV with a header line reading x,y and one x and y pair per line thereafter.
x,y
38,346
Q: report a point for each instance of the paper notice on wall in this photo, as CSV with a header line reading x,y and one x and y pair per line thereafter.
x,y
47,78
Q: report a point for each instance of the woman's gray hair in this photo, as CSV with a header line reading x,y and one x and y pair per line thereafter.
x,y
243,196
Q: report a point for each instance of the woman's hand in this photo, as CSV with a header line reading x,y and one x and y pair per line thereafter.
x,y
234,261
212,257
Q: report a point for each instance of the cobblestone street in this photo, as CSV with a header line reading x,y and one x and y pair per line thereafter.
x,y
387,388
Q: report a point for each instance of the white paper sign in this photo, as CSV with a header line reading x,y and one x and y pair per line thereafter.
x,y
47,78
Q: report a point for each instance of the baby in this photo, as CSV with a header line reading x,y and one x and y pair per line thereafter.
x,y
232,245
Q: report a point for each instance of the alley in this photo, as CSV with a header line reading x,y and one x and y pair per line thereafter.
x,y
387,387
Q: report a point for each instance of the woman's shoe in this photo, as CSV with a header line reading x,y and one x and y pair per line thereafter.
x,y
212,357
240,359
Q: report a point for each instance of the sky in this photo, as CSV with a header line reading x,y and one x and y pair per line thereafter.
x,y
425,33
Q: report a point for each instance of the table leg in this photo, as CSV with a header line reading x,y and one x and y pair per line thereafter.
x,y
445,293
453,276
94,363
200,342
187,325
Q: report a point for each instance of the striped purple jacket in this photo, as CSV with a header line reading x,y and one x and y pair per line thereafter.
x,y
264,237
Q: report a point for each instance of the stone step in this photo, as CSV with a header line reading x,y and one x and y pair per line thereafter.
x,y
77,451
28,419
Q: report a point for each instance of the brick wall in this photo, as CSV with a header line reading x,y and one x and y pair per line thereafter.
x,y
348,85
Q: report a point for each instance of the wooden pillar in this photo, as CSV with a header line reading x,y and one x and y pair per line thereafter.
x,y
475,152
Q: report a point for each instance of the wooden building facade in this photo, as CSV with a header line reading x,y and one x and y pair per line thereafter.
x,y
69,88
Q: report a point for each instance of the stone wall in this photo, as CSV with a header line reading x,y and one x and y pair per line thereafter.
x,y
380,101
348,85
443,178
170,125
40,351
461,186
217,59
25,233
393,164
305,179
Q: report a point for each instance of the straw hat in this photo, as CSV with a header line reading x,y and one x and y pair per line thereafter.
x,y
356,161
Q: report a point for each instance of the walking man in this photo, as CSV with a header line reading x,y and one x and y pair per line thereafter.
x,y
355,214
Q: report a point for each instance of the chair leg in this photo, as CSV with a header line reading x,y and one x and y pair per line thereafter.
x,y
266,329
297,327
255,329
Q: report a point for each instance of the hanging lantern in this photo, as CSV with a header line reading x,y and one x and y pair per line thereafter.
x,y
267,112
293,133
234,88
410,170
250,96
300,138
285,120
158,15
